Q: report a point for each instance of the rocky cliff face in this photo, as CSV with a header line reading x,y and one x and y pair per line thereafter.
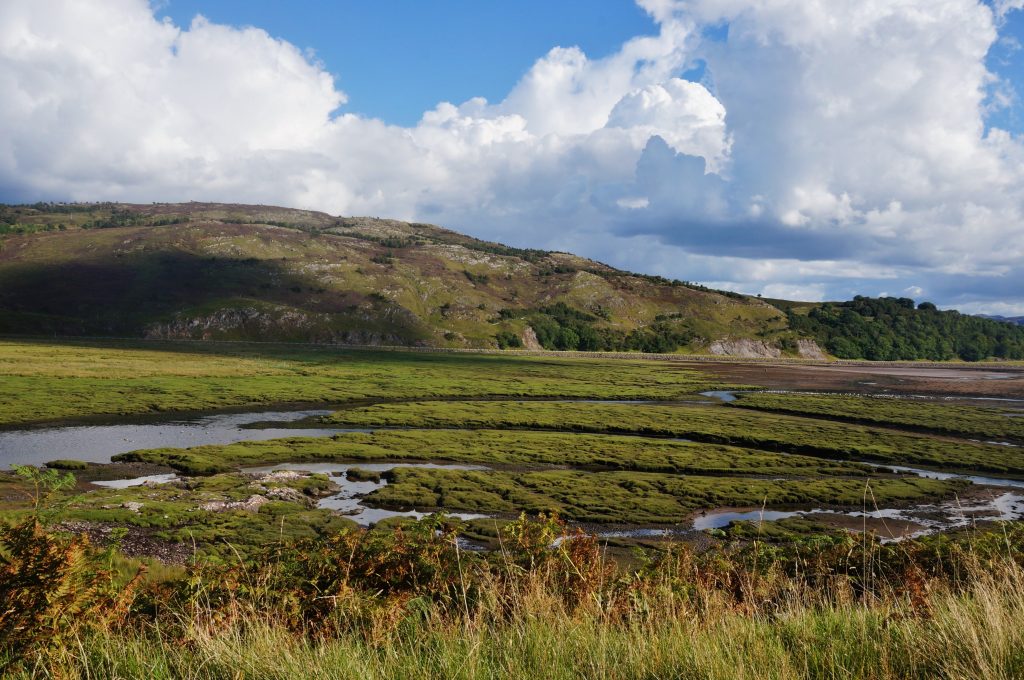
x,y
271,324
745,348
808,349
530,339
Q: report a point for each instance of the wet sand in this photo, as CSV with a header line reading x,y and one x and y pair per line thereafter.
x,y
881,527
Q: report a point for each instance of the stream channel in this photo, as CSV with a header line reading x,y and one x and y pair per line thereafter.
x,y
97,443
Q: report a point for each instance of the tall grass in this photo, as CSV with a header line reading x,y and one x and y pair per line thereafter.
x,y
418,607
974,634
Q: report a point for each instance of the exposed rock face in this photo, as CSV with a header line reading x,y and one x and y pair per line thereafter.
x,y
230,320
280,323
808,349
530,339
744,347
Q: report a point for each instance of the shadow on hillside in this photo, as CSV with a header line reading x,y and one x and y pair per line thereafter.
x,y
124,295
110,303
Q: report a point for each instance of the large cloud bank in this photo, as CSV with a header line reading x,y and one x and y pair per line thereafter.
x,y
831,147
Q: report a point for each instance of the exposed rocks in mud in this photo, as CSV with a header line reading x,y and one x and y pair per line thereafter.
x,y
127,505
745,348
280,476
132,541
250,504
290,495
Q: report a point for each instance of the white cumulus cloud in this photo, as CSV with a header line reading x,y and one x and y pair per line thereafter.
x,y
831,145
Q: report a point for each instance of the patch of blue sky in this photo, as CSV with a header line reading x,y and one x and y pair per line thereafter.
x,y
396,59
1006,61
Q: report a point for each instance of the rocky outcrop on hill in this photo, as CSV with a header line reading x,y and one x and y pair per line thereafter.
x,y
530,339
745,348
808,349
276,323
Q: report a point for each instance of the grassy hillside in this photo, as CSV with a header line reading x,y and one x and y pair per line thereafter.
x,y
229,272
241,272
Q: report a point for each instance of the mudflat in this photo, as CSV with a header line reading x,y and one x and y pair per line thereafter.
x,y
1002,382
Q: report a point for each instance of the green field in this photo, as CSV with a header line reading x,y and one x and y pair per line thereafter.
x,y
52,381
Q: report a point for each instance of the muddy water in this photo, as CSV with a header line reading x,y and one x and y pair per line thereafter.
x,y
137,481
722,395
349,501
97,443
932,517
973,479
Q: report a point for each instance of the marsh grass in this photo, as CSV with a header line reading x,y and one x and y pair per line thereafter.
x,y
124,378
709,424
971,635
953,419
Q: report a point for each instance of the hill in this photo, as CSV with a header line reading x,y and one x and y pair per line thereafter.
x,y
231,272
242,272
1018,320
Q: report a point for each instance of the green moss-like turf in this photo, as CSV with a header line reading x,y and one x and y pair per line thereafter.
x,y
717,424
495,447
972,421
628,497
117,378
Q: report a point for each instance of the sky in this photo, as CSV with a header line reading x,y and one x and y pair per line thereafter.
x,y
809,149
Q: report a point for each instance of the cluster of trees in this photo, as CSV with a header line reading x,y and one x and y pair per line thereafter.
x,y
25,219
6,228
390,242
120,217
69,208
561,327
892,329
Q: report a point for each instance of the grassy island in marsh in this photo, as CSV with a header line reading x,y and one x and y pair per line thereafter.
x,y
718,424
989,421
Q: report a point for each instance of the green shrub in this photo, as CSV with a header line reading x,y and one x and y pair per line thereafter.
x,y
67,464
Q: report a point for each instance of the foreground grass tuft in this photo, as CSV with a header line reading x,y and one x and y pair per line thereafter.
x,y
410,604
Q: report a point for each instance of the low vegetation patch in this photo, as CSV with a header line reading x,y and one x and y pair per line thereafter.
x,y
66,464
736,427
497,447
635,497
123,379
971,421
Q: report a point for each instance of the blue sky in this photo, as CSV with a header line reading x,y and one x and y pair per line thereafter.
x,y
396,59
1006,58
811,149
